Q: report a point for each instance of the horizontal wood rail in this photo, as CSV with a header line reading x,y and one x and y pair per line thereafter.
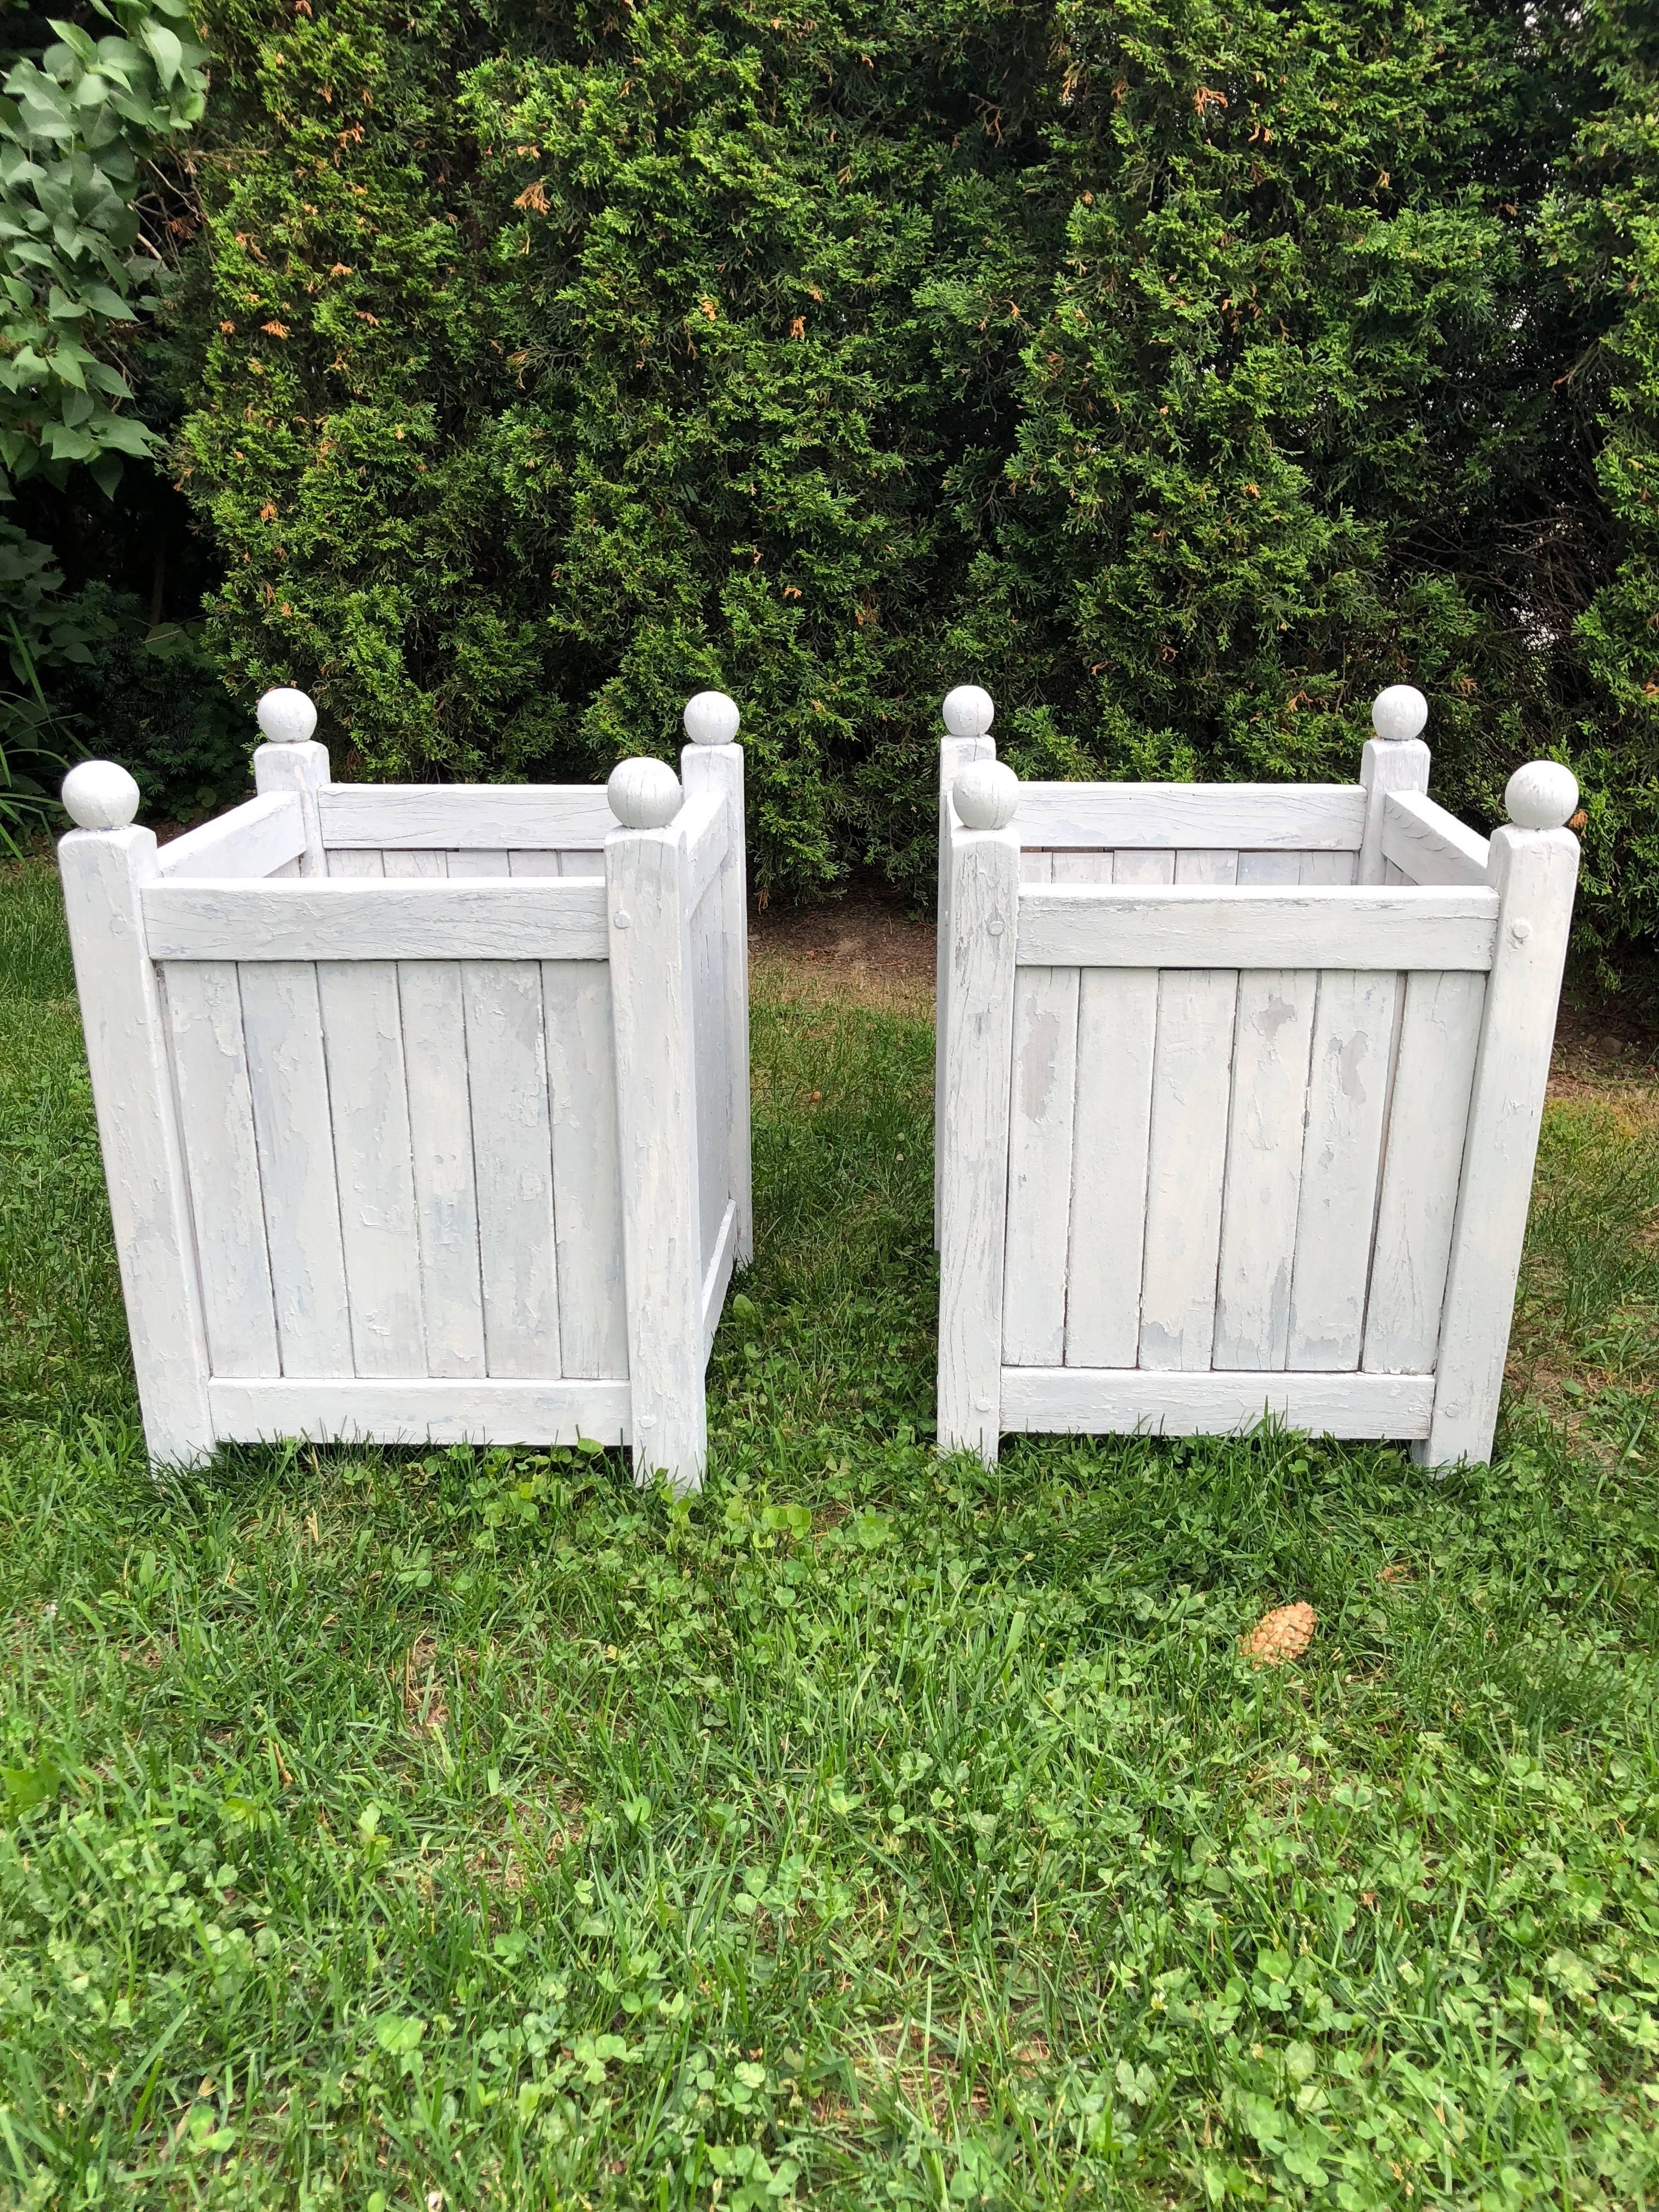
x,y
421,1411
1104,1400
250,841
541,918
1191,926
705,822
1429,845
1247,816
452,816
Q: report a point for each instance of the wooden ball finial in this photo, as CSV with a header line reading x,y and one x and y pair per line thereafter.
x,y
1399,713
644,794
1542,795
969,711
711,719
286,717
99,795
986,795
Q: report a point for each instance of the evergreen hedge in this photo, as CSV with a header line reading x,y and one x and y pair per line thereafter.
x,y
1181,369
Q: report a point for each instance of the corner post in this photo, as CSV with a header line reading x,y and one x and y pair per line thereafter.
x,y
646,883
968,714
975,1100
1533,867
104,862
1395,759
713,762
289,760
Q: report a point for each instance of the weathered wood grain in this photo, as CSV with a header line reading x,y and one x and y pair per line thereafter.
x,y
350,919
1258,925
1105,1401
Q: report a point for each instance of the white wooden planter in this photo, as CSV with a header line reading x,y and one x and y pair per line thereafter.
x,y
1238,1095
424,1109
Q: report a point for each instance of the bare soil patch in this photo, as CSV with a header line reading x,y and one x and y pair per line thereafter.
x,y
866,948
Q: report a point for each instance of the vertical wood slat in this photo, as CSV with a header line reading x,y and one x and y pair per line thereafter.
x,y
440,1137
512,1157
348,863
581,1078
1142,865
1040,1165
1348,1078
1328,867
215,1110
1428,1120
282,1025
368,1106
1036,867
1271,1050
1081,867
1270,867
708,1060
1199,866
1191,1088
1117,1027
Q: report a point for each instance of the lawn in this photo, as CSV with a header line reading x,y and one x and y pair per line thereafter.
x,y
464,1829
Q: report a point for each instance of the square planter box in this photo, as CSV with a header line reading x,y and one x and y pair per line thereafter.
x,y
1238,1094
424,1109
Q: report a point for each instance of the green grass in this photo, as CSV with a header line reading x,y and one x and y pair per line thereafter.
x,y
869,1831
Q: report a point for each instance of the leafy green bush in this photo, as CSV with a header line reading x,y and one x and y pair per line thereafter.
x,y
1181,371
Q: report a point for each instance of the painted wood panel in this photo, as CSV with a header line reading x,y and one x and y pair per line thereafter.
x,y
282,1024
1271,1045
1428,1120
1094,1401
255,839
1067,925
1040,1165
441,1136
1191,1085
1270,867
544,818
1117,1029
1348,1084
586,1174
512,1144
709,1061
368,1108
216,1111
1263,816
342,919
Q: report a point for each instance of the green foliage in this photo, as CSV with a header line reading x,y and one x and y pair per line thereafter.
x,y
1182,370
73,130
383,1830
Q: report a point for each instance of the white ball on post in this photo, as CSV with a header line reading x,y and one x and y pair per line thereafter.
x,y
711,719
1400,712
99,795
644,794
286,717
986,795
1542,795
969,712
